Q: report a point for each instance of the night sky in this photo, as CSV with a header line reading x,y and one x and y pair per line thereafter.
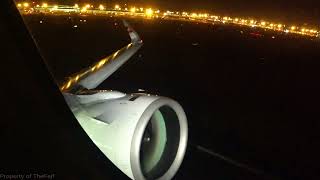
x,y
286,11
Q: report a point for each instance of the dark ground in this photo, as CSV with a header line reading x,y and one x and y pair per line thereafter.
x,y
253,99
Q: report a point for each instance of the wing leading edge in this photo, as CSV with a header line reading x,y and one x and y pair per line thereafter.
x,y
101,70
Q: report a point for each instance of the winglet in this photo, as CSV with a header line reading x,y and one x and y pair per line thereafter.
x,y
134,36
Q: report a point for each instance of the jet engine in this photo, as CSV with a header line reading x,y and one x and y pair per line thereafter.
x,y
145,136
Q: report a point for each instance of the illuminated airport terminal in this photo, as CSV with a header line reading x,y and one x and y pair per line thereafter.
x,y
147,12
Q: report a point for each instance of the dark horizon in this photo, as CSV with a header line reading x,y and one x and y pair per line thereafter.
x,y
292,12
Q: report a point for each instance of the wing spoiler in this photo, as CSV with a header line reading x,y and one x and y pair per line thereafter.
x,y
101,70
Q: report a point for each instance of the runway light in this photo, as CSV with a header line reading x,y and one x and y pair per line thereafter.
x,y
149,12
19,5
116,6
26,4
293,28
263,23
101,7
279,26
133,10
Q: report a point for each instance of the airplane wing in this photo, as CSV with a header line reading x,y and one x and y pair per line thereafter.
x,y
144,135
101,70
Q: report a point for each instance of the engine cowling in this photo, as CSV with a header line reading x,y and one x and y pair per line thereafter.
x,y
145,136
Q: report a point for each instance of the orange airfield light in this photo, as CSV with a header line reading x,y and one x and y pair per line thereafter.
x,y
149,12
101,7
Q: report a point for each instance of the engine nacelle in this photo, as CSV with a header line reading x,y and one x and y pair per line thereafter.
x,y
144,136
